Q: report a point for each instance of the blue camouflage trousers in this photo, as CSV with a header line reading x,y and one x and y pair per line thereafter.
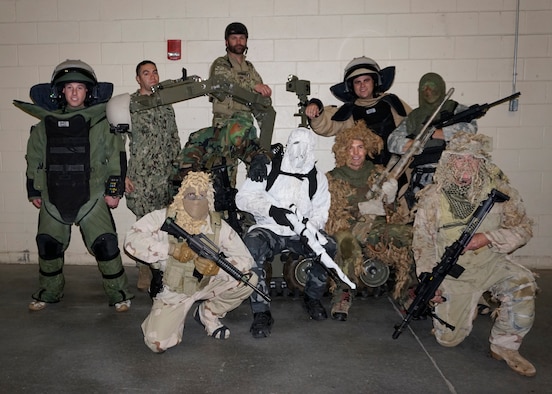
x,y
264,244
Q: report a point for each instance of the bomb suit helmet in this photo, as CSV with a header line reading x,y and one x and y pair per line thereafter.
x,y
73,71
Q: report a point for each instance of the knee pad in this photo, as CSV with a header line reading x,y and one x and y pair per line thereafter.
x,y
105,247
49,248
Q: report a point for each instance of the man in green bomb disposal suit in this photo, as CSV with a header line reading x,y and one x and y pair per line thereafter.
x,y
75,174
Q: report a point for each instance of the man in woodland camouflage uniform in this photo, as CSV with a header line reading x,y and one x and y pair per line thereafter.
x,y
236,140
464,177
361,227
234,68
154,145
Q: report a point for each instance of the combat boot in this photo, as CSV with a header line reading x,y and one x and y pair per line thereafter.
x,y
315,309
144,277
262,324
514,360
341,305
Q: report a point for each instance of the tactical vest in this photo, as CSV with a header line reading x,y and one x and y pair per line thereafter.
x,y
68,164
183,278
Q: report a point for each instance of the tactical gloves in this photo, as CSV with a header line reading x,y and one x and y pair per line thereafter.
x,y
205,266
389,190
375,205
183,253
279,216
257,168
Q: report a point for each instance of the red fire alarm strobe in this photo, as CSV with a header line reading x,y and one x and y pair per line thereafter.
x,y
174,49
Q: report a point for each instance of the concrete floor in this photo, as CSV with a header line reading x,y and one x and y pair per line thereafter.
x,y
81,345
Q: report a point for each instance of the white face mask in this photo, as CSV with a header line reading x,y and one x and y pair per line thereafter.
x,y
297,153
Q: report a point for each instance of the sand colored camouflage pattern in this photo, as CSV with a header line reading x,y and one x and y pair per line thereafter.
x,y
243,74
486,269
154,146
163,327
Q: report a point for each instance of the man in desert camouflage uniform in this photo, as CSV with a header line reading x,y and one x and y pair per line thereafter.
x,y
236,69
464,177
360,227
154,145
189,278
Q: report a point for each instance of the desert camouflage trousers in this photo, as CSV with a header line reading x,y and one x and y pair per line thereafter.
x,y
511,284
163,327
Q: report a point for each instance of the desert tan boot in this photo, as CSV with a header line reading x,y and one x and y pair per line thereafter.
x,y
514,360
144,277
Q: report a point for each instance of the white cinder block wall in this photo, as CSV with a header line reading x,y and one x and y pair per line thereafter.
x,y
469,42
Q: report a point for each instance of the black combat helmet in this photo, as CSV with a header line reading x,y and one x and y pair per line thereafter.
x,y
235,28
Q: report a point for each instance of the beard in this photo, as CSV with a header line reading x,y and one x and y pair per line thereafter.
x,y
236,49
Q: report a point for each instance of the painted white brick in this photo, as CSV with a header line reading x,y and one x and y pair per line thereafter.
x,y
538,22
143,31
120,10
8,55
191,29
212,9
33,11
46,54
274,27
295,50
88,52
386,50
166,9
18,33
432,47
433,6
497,23
291,8
78,10
100,31
118,53
538,69
8,13
363,26
57,32
241,8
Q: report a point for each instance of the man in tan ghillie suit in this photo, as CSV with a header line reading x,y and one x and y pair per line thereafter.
x,y
360,231
187,277
464,177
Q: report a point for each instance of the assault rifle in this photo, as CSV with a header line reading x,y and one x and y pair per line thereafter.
x,y
225,195
397,166
204,247
315,241
186,88
302,88
430,282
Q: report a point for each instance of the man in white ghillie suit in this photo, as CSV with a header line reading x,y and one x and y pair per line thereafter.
x,y
187,277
